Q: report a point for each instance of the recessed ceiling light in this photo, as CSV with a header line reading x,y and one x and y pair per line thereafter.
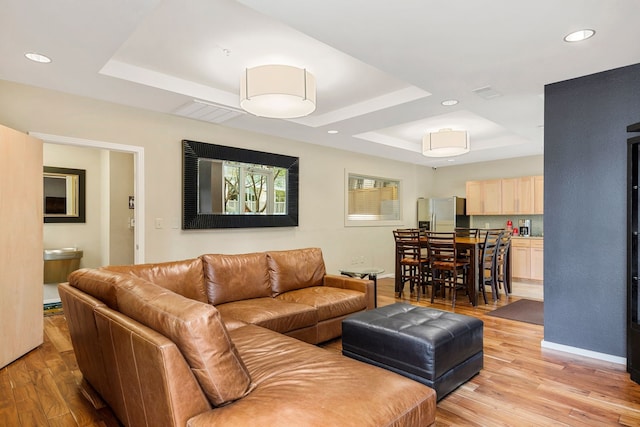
x,y
449,102
578,36
332,132
37,57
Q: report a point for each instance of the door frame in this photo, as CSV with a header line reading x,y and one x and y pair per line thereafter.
x,y
138,178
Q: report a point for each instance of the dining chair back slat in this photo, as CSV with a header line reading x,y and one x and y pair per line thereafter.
x,y
466,232
503,277
488,263
444,263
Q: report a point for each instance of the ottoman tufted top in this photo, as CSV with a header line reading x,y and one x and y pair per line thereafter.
x,y
421,341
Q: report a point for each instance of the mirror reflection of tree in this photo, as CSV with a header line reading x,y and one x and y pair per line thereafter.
x,y
262,189
231,193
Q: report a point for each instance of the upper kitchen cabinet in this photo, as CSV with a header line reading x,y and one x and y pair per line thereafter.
x,y
509,196
538,194
518,195
484,197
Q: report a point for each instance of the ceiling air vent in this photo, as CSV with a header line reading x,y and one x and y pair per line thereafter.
x,y
207,111
487,92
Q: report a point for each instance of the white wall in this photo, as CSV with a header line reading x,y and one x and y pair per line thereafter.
x,y
321,220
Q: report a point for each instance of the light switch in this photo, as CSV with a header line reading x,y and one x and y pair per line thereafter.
x,y
159,223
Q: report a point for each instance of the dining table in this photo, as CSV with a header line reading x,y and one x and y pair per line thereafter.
x,y
471,244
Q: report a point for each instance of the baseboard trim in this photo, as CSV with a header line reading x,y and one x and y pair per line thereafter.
x,y
583,352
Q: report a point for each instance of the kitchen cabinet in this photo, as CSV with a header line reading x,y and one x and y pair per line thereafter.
x,y
527,258
517,195
537,264
508,196
538,195
484,197
521,258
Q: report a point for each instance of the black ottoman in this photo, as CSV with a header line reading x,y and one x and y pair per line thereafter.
x,y
437,348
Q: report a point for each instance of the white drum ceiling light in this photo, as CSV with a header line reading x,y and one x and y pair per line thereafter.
x,y
278,91
445,143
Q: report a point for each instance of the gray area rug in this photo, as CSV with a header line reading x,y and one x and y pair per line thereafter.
x,y
523,310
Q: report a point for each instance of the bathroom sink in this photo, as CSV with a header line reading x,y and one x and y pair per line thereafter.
x,y
62,253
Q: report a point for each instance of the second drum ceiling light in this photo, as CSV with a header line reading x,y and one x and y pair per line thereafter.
x,y
445,143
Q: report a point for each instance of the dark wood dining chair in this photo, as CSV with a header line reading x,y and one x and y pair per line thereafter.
x,y
466,232
413,261
445,265
488,263
503,277
465,255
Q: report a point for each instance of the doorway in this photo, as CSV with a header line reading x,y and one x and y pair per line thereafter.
x,y
126,213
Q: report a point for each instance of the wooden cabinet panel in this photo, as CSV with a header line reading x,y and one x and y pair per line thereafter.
x,y
537,259
484,197
492,197
521,258
509,189
525,194
474,197
538,193
527,256
510,196
517,195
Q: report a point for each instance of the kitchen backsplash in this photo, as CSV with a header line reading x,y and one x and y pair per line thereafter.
x,y
500,221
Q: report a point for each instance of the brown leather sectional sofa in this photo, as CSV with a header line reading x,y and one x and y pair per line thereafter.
x,y
219,340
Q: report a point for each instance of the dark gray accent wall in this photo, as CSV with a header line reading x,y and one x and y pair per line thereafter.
x,y
585,165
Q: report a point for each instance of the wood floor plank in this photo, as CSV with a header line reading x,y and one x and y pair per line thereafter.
x,y
28,406
51,401
58,336
83,413
8,409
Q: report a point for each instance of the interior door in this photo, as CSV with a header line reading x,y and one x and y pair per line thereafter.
x,y
21,274
633,256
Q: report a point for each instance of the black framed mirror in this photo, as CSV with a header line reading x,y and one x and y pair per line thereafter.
x,y
63,195
228,187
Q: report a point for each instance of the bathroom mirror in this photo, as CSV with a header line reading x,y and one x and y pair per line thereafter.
x,y
63,195
227,187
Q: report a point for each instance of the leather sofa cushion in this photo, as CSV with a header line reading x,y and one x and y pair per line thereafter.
x,y
236,277
299,384
99,284
270,313
295,269
329,302
182,277
198,331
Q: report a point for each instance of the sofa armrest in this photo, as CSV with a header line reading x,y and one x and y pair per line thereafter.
x,y
344,282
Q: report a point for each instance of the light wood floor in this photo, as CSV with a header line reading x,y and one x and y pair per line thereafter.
x,y
520,385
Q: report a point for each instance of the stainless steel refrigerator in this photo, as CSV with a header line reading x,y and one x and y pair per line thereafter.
x,y
442,213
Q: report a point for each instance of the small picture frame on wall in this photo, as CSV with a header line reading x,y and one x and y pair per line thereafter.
x,y
132,203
